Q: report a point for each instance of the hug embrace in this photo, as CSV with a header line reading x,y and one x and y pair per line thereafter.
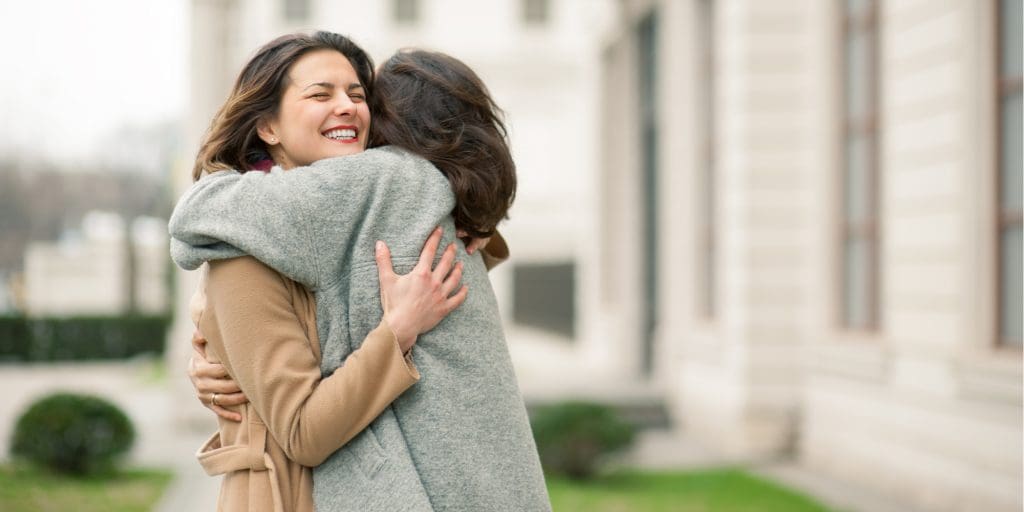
x,y
368,372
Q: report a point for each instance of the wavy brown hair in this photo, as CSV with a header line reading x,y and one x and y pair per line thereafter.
x,y
435,106
231,141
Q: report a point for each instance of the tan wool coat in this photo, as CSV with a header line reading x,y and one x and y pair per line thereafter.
x,y
262,327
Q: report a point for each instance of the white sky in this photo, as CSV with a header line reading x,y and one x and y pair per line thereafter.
x,y
75,70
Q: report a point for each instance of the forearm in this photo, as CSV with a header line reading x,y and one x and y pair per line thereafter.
x,y
252,326
348,400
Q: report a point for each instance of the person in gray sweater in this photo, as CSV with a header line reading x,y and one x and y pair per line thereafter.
x,y
460,439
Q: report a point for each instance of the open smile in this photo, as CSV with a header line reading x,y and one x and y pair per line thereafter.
x,y
342,134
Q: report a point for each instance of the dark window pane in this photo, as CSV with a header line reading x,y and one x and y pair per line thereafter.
x,y
406,11
647,34
296,11
858,189
1010,284
535,11
856,283
544,296
859,74
857,8
1010,170
1011,38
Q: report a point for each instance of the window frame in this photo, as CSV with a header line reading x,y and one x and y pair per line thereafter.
x,y
707,242
1003,219
868,229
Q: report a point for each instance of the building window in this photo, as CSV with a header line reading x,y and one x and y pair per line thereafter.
x,y
647,44
535,12
859,228
1009,171
544,297
706,243
296,11
405,12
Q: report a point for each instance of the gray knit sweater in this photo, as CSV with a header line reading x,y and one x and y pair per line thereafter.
x,y
458,440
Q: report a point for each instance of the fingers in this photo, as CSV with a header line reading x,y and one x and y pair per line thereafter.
x,y
224,413
222,387
224,400
456,300
231,399
452,281
201,369
199,343
477,243
445,265
385,271
430,249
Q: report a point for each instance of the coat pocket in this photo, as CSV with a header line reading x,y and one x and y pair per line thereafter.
x,y
368,452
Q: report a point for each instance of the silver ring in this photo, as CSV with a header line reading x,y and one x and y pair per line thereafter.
x,y
213,400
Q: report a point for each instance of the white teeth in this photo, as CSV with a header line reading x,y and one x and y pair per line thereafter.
x,y
346,133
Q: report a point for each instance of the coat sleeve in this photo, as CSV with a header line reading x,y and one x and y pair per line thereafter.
x,y
495,252
251,324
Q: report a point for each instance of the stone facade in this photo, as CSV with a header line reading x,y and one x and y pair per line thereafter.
x,y
927,405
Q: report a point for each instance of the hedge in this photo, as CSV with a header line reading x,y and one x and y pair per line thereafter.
x,y
25,339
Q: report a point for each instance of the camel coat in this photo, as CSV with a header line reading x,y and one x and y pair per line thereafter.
x,y
253,317
262,327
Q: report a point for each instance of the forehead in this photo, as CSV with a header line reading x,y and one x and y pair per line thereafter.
x,y
327,66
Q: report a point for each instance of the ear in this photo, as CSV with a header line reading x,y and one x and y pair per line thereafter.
x,y
267,131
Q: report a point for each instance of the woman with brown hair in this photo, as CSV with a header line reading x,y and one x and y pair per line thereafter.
x,y
460,439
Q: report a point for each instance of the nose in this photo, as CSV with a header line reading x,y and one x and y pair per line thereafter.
x,y
344,105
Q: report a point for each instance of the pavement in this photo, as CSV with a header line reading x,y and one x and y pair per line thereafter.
x,y
171,426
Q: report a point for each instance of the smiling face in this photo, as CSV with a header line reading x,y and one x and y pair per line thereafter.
x,y
323,112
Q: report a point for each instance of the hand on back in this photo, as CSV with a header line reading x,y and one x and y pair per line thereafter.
x,y
416,302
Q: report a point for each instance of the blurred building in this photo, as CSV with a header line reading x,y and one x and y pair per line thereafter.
x,y
94,271
794,222
810,234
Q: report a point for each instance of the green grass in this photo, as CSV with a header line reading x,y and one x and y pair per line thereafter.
x,y
24,489
718,490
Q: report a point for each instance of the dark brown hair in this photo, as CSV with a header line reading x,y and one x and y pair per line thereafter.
x,y
232,141
435,106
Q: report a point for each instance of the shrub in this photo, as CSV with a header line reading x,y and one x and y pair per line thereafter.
x,y
573,437
81,338
70,433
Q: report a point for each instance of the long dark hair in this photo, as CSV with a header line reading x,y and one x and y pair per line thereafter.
x,y
434,105
232,141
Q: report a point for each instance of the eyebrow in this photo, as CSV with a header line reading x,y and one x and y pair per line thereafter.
x,y
328,85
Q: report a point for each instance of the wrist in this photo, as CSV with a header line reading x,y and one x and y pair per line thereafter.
x,y
404,334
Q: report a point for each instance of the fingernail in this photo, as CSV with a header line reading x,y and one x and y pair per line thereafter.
x,y
380,245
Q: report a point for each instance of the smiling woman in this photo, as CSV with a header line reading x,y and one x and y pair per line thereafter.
x,y
323,112
292,97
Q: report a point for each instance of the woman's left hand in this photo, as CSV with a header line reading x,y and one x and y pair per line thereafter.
x,y
472,244
215,389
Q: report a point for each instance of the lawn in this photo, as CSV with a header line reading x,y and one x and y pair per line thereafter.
x,y
719,490
23,490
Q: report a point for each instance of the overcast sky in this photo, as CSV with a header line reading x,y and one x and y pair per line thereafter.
x,y
74,71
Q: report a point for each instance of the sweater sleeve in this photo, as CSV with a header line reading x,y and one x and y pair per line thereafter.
x,y
306,222
251,324
229,214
